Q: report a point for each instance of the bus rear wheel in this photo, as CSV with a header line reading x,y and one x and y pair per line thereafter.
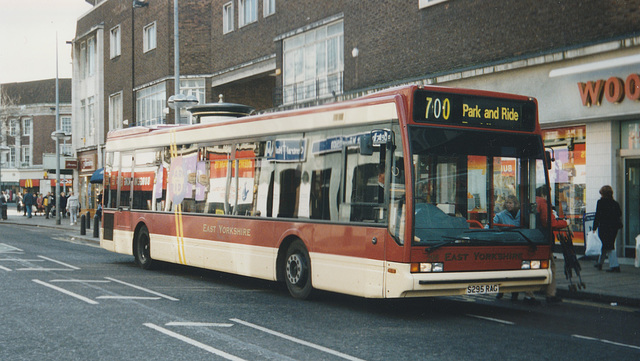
x,y
298,271
142,249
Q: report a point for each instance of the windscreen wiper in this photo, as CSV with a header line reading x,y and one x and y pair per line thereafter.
x,y
510,230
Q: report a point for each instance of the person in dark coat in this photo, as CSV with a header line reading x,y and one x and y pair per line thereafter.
x,y
63,205
29,202
607,223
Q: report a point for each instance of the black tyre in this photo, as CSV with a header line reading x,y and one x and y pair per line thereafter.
x,y
142,249
297,271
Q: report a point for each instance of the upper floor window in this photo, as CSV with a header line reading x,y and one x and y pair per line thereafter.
x,y
115,111
65,124
269,7
91,116
150,104
26,155
247,12
83,59
13,127
193,87
26,127
313,63
91,56
12,157
227,17
114,44
149,42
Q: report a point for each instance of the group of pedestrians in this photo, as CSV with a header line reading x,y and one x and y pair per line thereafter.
x,y
608,221
69,204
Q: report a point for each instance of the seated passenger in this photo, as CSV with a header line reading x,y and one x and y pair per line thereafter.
x,y
511,214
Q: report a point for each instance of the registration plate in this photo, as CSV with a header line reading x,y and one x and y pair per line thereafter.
x,y
482,289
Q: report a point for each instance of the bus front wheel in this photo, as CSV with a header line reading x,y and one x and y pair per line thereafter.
x,y
142,249
298,271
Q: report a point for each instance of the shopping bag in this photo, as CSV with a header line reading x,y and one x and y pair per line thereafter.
x,y
594,244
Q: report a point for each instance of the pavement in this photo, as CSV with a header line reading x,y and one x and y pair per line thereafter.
x,y
600,286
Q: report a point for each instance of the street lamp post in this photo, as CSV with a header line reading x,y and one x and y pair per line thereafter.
x,y
58,135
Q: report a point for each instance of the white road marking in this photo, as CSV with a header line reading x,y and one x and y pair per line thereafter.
x,y
5,269
60,263
142,289
82,298
5,248
606,341
44,269
79,281
193,342
297,340
126,298
198,324
491,319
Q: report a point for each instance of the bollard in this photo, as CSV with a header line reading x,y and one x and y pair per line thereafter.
x,y
96,225
88,220
83,225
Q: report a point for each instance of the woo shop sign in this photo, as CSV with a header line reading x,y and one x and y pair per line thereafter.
x,y
613,89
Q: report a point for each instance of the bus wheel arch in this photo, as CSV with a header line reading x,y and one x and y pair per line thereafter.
x,y
294,267
142,247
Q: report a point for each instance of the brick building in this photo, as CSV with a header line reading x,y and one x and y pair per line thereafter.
x,y
274,54
27,119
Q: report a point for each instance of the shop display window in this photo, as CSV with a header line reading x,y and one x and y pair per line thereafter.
x,y
568,175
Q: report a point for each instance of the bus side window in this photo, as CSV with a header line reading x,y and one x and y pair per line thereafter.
x,y
319,195
289,189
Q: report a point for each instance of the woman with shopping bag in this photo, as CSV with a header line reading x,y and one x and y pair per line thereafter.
x,y
607,223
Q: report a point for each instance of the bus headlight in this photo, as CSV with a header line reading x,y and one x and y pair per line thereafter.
x,y
427,267
534,264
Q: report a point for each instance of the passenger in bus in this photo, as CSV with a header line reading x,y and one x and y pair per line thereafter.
x,y
510,216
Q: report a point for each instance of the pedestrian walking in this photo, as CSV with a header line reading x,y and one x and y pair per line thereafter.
x,y
542,208
29,202
73,205
607,223
3,205
19,204
48,203
63,205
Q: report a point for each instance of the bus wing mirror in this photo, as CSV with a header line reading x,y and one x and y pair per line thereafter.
x,y
366,144
549,159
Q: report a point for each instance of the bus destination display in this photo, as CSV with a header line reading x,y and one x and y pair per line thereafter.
x,y
473,111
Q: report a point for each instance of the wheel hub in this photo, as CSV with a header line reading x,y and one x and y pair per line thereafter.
x,y
294,268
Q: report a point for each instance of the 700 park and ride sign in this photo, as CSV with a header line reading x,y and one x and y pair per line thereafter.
x,y
474,111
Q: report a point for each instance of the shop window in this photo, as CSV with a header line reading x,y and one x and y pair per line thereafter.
x,y
568,175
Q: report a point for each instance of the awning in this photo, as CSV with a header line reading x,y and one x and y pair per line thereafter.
x,y
97,176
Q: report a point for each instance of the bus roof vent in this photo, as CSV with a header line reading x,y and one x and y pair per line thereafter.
x,y
219,112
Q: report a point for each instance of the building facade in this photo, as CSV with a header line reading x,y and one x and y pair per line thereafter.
x,y
579,60
27,119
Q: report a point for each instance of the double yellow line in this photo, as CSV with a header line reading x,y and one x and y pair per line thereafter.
x,y
178,208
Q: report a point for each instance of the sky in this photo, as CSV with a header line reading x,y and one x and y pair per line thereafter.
x,y
28,38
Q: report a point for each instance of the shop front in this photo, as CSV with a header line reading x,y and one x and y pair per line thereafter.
x,y
87,190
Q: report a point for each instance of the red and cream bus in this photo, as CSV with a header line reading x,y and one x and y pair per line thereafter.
x,y
390,195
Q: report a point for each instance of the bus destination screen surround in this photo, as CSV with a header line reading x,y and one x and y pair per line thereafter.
x,y
474,111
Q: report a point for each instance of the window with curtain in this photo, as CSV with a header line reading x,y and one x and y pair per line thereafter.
x,y
149,39
114,44
150,103
227,18
247,12
313,64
